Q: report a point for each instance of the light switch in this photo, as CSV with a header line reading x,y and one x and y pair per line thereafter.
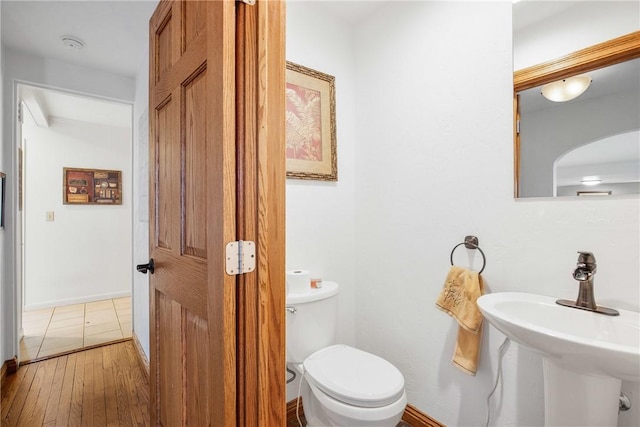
x,y
50,216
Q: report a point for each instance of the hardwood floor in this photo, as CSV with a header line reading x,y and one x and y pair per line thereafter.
x,y
103,386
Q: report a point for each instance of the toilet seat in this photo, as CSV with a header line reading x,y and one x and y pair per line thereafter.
x,y
354,377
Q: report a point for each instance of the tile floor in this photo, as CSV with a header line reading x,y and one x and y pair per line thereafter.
x,y
55,330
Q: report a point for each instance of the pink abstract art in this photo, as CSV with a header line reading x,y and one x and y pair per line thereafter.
x,y
304,118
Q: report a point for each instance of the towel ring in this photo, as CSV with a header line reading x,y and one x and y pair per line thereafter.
x,y
470,242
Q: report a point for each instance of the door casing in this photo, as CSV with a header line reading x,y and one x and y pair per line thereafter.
x,y
259,363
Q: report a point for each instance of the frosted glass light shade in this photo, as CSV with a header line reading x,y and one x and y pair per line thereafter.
x,y
591,180
566,89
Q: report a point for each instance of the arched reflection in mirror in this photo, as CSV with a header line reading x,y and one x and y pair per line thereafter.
x,y
545,130
607,166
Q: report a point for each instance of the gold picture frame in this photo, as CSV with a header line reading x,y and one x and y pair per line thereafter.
x,y
310,124
91,187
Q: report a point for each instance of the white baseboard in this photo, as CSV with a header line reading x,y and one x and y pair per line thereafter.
x,y
79,300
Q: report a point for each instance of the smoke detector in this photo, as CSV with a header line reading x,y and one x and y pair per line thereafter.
x,y
72,42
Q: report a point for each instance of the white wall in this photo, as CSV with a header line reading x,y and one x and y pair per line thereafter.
x,y
140,302
433,162
321,215
22,67
577,27
85,253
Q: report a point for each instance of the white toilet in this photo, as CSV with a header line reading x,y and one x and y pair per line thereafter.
x,y
341,385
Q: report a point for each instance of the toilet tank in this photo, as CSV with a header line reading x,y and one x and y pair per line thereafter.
x,y
313,325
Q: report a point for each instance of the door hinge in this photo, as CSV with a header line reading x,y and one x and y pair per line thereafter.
x,y
518,126
241,257
19,111
249,2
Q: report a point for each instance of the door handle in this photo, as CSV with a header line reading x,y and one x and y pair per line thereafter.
x,y
143,268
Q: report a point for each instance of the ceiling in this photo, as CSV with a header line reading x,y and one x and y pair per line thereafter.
x,y
351,11
116,35
115,32
41,105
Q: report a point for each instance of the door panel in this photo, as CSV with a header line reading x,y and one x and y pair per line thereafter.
x,y
194,21
195,196
192,215
216,160
167,165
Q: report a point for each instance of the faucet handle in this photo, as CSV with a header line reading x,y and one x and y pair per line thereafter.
x,y
587,258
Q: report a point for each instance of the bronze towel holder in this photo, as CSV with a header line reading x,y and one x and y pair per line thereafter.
x,y
470,242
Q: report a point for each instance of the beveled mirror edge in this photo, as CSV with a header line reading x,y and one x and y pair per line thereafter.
x,y
600,55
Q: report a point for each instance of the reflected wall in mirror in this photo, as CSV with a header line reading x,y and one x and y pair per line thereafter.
x,y
593,139
587,145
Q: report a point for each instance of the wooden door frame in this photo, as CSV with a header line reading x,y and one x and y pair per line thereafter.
x,y
260,82
254,386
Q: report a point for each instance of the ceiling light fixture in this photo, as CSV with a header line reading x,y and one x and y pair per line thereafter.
x,y
72,42
591,180
566,89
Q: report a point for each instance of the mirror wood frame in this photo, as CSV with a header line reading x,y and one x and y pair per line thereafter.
x,y
614,51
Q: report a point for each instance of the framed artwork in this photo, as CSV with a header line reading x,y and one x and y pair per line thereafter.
x,y
310,124
91,187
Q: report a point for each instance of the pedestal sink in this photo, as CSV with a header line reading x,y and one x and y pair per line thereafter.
x,y
586,355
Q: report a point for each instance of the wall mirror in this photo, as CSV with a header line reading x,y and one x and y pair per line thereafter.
x,y
586,146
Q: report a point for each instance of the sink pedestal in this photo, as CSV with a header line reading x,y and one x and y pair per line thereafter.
x,y
586,355
578,399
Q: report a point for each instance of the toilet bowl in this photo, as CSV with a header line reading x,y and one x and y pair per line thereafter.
x,y
340,385
344,386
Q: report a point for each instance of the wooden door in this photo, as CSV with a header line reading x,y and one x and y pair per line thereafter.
x,y
192,216
217,175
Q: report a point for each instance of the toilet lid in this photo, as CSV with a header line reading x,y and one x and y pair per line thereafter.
x,y
354,376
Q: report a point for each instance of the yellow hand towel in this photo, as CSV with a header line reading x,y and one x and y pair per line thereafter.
x,y
458,297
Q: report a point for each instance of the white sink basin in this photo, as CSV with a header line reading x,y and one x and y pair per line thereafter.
x,y
591,342
585,354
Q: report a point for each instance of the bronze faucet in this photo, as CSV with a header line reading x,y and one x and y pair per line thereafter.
x,y
585,270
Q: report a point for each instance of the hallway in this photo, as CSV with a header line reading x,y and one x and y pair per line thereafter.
x,y
97,387
57,330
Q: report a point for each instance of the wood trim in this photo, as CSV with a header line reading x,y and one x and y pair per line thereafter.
x,y
260,77
9,367
416,418
271,212
247,297
593,57
75,350
142,358
292,417
221,126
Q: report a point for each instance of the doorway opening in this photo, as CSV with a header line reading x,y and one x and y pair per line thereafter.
x,y
73,256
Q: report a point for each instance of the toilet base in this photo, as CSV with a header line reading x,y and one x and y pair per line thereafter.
x,y
320,410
